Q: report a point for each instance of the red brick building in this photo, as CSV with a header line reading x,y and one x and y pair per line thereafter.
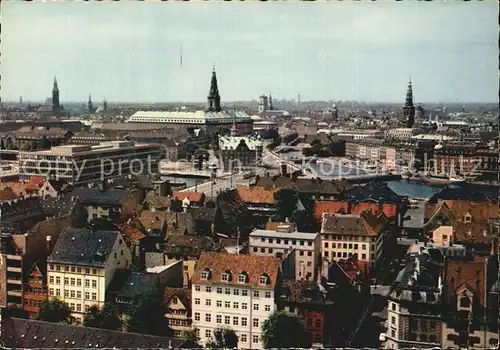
x,y
305,300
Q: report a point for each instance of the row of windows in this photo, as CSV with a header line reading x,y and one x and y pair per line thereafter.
x,y
353,238
73,281
346,255
285,241
77,269
271,250
235,291
243,337
236,320
347,245
72,294
76,307
236,305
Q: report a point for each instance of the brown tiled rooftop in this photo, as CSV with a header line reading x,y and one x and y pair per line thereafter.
x,y
191,196
256,194
468,273
254,267
364,224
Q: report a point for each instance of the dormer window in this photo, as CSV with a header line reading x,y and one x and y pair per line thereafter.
x,y
467,218
243,277
264,279
464,302
226,276
205,274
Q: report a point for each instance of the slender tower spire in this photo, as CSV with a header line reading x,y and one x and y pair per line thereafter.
x,y
90,105
409,108
55,97
213,94
270,102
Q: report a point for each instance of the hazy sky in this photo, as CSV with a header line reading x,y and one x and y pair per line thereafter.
x,y
326,51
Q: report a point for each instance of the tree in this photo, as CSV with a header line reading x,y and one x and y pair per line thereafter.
x,y
146,315
176,205
92,317
107,318
55,311
191,335
305,221
223,338
285,331
79,215
286,202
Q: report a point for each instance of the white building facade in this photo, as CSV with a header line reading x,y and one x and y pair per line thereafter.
x,y
280,242
82,265
234,291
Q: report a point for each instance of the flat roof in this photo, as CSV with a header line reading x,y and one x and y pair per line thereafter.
x,y
291,235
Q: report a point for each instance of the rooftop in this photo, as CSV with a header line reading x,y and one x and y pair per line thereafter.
x,y
83,247
250,267
31,334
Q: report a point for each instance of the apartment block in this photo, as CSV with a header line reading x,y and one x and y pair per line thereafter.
x,y
235,291
281,241
81,266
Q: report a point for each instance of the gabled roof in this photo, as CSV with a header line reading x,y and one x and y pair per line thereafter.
x,y
469,273
375,191
388,209
184,296
83,247
364,224
304,186
191,196
176,223
188,245
7,194
31,334
256,194
251,265
94,196
136,283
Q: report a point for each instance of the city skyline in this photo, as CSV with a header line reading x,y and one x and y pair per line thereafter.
x,y
133,52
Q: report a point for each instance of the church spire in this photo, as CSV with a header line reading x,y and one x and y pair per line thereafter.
x,y
409,95
270,102
409,108
55,88
213,94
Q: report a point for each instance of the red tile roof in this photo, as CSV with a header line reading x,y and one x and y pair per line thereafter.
x,y
363,224
256,194
389,210
254,266
471,274
7,194
191,196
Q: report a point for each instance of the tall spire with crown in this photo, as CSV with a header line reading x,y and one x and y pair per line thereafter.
x,y
90,105
409,108
270,102
55,97
213,94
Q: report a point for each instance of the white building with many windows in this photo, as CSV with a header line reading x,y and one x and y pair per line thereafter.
x,y
285,238
234,291
81,266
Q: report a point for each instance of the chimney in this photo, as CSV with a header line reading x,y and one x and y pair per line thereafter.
x,y
48,241
142,260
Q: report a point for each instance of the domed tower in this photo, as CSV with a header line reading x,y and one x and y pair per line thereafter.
x,y
409,108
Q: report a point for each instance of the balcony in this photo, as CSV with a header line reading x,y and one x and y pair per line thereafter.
x,y
14,269
14,257
14,280
15,292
